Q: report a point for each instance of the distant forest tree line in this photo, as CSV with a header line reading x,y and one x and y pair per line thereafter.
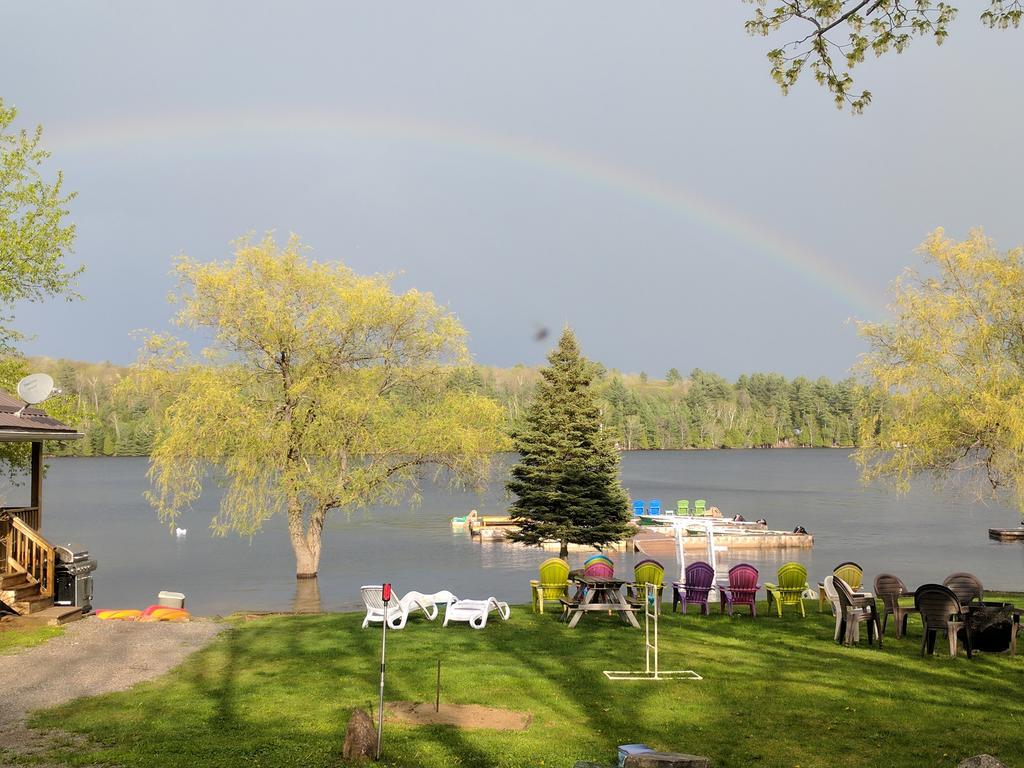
x,y
698,410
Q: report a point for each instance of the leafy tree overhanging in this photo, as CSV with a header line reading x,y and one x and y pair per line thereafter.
x,y
35,235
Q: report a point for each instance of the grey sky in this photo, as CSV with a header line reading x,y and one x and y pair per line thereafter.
x,y
627,168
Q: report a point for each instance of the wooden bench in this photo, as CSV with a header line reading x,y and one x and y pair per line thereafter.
x,y
568,607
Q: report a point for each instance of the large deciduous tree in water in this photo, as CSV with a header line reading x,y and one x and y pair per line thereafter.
x,y
566,482
949,371
321,390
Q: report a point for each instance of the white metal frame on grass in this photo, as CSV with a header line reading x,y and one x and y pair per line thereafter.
x,y
651,672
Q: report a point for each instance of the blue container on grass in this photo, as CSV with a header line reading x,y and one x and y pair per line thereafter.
x,y
625,750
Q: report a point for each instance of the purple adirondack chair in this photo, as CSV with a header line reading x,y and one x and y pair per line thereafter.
x,y
742,589
698,583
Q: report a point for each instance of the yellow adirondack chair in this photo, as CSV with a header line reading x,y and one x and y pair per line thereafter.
x,y
553,584
648,572
849,572
790,589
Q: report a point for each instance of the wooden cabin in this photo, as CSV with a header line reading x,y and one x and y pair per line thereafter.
x,y
26,557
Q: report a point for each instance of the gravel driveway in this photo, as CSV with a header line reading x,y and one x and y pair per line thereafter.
x,y
90,658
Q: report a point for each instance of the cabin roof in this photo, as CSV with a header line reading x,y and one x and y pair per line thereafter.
x,y
32,425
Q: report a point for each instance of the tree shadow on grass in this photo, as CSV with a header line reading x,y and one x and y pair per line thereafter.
x,y
776,692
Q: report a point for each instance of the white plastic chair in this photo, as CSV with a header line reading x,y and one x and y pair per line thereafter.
x,y
475,611
837,610
399,610
829,588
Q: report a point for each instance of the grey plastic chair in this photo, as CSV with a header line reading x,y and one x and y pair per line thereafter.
x,y
966,586
889,589
854,611
941,611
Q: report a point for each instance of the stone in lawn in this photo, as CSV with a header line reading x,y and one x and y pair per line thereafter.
x,y
980,761
360,737
666,760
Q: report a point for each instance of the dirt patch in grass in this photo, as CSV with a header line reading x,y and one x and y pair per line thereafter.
x,y
467,716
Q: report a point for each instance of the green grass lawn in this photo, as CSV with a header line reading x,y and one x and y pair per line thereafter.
x,y
776,692
12,640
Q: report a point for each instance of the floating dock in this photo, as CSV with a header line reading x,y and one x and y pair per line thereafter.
x,y
487,527
493,528
660,545
659,540
1007,534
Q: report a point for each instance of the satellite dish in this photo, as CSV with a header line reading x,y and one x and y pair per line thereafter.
x,y
35,388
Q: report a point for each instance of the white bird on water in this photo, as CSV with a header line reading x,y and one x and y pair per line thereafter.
x,y
179,532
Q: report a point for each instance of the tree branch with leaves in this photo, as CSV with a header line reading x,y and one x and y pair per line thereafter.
x,y
831,37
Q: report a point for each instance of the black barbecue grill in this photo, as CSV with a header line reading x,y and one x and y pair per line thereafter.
x,y
72,577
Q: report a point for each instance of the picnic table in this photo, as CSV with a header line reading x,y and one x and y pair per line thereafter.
x,y
595,594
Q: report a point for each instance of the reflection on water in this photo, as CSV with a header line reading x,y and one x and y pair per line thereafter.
x,y
307,596
921,537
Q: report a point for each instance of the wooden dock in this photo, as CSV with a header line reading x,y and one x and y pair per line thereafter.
x,y
1007,534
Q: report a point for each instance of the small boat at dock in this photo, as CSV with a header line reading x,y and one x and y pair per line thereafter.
x,y
464,520
1007,534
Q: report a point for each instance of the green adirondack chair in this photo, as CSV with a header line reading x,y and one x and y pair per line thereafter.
x,y
698,507
683,507
553,584
790,589
647,572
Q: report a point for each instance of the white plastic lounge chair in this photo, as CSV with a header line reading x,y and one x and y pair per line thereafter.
x,y
399,610
474,611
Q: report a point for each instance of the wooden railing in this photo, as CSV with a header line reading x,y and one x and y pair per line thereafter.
x,y
31,554
29,515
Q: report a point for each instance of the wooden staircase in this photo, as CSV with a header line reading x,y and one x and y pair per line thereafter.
x,y
26,571
21,595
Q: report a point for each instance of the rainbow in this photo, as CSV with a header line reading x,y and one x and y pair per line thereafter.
x,y
217,128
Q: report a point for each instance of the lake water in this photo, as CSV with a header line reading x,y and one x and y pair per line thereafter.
x,y
923,536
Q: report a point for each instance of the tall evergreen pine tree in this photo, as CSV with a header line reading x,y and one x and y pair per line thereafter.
x,y
566,484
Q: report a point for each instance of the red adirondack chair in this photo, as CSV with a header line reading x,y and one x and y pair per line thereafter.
x,y
742,589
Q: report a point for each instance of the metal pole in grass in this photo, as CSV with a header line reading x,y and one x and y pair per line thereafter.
x,y
437,701
386,595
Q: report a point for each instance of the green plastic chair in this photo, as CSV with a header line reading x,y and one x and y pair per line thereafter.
x,y
553,584
683,507
790,589
698,507
648,572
